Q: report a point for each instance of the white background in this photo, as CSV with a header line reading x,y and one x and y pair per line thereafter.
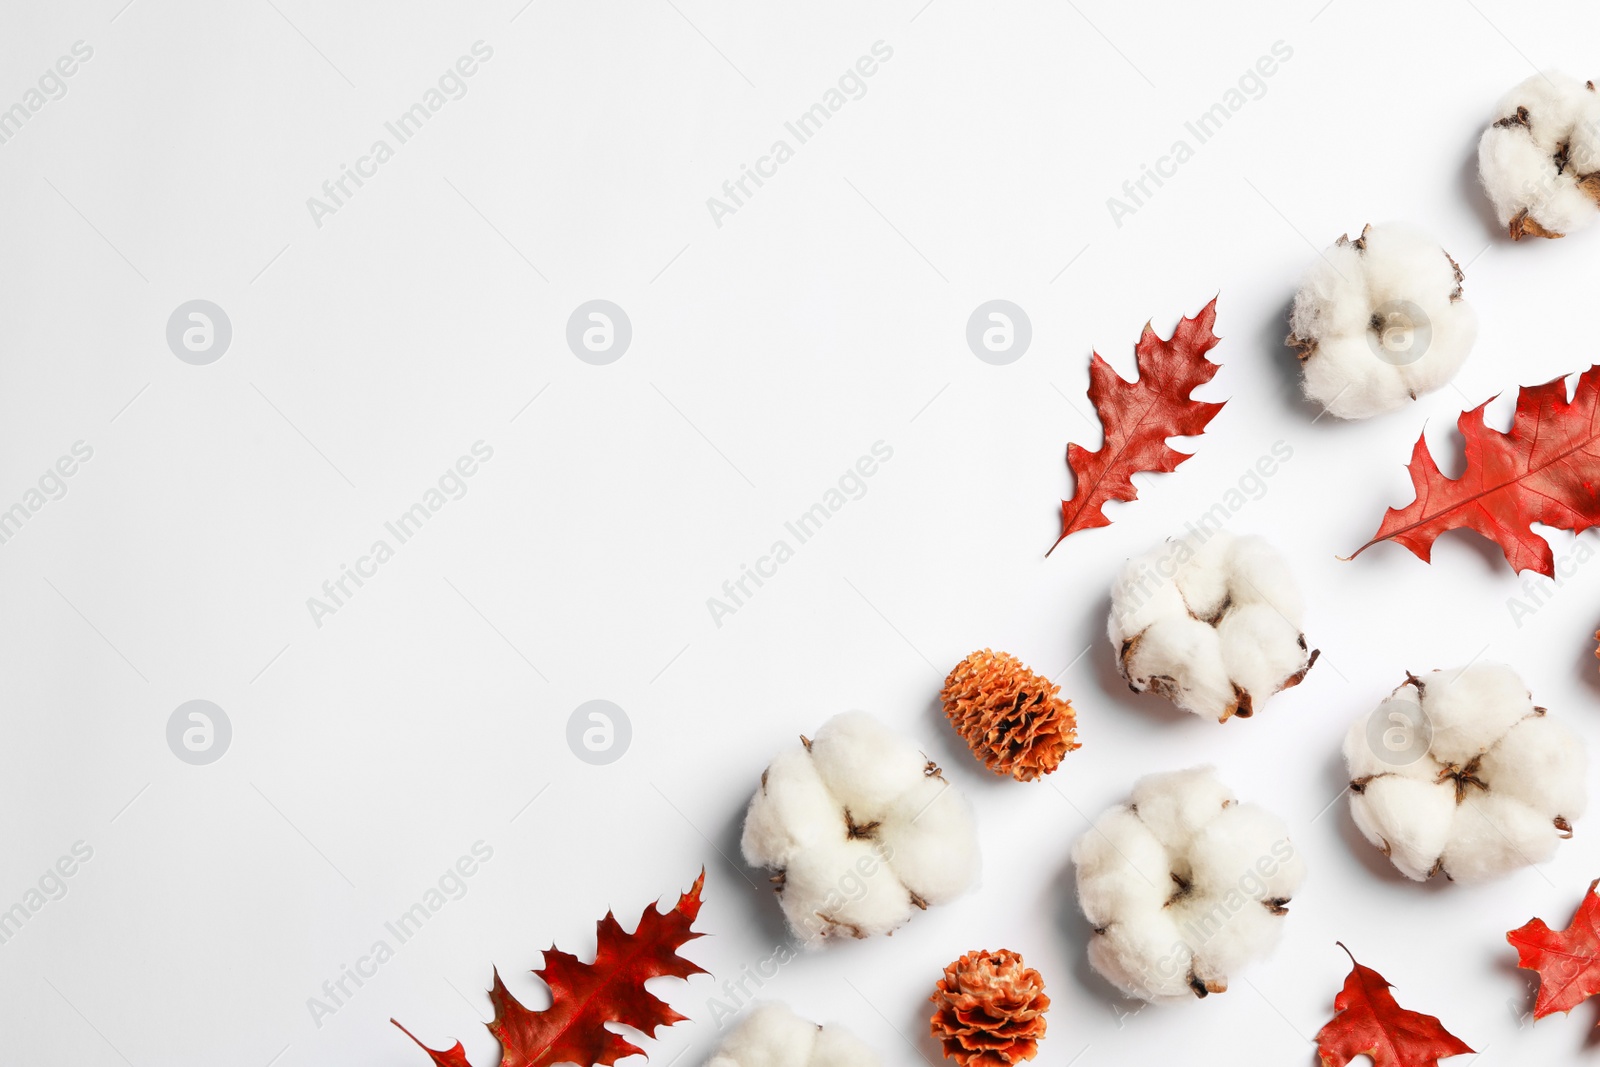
x,y
768,354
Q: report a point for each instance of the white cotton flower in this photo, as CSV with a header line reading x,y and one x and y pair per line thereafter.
x,y
1540,159
1379,321
1457,773
1184,885
862,829
771,1035
1211,622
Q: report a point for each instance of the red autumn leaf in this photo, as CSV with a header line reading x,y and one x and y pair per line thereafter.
x,y
1568,961
1546,470
1368,1022
1139,416
584,997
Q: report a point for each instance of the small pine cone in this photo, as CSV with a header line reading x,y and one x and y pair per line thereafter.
x,y
1010,717
990,1010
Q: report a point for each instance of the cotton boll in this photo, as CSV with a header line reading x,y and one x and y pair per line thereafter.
x,y
1399,257
837,1047
1260,648
1534,191
1454,330
1541,763
1328,303
770,1035
1203,580
1144,956
1258,574
1175,805
1226,873
1500,785
845,889
1397,328
1493,836
1122,868
1387,740
1518,174
1227,933
864,764
1359,755
1490,681
1583,146
839,817
792,809
1471,708
931,837
1347,381
1169,624
1538,158
1142,595
1553,101
1408,820
1181,658
1246,849
1565,208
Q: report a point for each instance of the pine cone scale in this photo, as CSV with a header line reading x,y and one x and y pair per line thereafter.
x,y
1009,716
990,1010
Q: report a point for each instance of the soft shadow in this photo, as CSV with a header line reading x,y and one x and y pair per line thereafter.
x,y
1284,362
1506,964
1591,1040
1588,667
945,747
1471,191
1075,934
919,1032
1489,554
753,887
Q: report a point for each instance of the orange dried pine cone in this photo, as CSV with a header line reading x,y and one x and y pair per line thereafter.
x,y
1010,717
990,1010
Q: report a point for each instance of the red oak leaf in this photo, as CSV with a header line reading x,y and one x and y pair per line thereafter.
x,y
1568,961
1139,416
1546,470
584,997
1368,1022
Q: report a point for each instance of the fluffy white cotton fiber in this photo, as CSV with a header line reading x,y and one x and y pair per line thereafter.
x,y
1379,321
1540,159
1184,885
1457,773
1211,622
862,830
771,1035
